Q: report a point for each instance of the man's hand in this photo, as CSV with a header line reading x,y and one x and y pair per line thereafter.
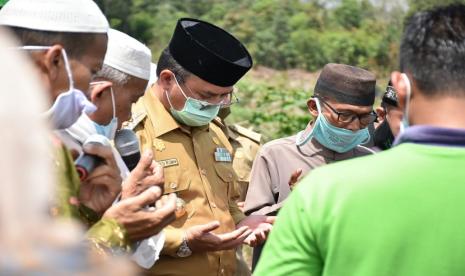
x,y
147,173
295,178
201,239
102,186
260,226
140,222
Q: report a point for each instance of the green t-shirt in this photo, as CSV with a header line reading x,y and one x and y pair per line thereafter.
x,y
399,212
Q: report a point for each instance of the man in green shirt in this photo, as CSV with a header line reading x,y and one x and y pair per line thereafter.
x,y
399,212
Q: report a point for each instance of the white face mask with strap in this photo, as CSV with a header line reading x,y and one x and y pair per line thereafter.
x,y
69,105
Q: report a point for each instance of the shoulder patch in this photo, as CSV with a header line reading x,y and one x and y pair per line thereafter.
x,y
217,121
136,119
246,132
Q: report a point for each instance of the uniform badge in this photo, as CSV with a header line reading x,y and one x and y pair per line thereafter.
x,y
168,162
222,155
159,145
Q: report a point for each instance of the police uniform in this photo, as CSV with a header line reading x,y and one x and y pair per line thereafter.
x,y
197,161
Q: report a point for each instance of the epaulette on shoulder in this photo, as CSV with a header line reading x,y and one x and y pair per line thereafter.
x,y
246,132
217,121
136,119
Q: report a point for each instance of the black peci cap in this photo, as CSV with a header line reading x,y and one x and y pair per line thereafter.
x,y
346,84
209,52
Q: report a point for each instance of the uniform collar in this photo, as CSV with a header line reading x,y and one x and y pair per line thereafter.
x,y
161,118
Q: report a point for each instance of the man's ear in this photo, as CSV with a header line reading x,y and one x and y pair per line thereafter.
x,y
311,104
166,80
97,90
398,82
53,62
381,114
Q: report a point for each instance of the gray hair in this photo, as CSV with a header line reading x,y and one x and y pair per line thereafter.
x,y
113,75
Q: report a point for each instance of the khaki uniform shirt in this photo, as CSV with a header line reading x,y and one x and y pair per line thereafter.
x,y
245,143
274,165
191,171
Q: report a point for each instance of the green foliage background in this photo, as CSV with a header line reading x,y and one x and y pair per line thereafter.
x,y
283,35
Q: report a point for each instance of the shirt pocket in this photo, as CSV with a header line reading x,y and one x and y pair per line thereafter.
x,y
224,188
176,180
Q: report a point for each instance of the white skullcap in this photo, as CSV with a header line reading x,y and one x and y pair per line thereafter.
x,y
153,74
81,16
128,55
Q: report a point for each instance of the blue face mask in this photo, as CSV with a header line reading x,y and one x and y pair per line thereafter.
x,y
108,130
405,124
334,138
195,112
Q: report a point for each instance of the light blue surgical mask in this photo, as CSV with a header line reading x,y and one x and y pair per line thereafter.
x,y
195,112
334,138
68,106
405,123
108,130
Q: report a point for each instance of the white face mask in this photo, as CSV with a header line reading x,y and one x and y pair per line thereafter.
x,y
108,130
69,105
405,123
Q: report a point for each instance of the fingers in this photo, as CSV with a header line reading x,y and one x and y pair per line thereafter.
x,y
270,219
251,240
237,241
167,210
208,227
227,237
154,177
144,163
147,197
157,169
167,202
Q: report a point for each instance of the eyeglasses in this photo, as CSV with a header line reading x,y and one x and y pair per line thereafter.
x,y
348,117
229,100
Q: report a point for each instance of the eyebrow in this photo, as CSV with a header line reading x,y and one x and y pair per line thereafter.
x,y
212,94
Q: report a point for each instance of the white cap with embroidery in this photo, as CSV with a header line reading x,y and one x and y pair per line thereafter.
x,y
128,55
153,74
81,16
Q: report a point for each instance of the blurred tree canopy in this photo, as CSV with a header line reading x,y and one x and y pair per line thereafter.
x,y
281,34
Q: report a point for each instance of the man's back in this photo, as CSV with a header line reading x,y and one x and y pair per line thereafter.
x,y
401,213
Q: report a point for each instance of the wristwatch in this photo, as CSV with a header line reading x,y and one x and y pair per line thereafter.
x,y
184,250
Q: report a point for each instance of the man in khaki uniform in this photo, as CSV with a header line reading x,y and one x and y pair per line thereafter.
x,y
196,74
342,106
245,143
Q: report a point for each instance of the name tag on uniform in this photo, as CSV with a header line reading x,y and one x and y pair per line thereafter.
x,y
222,155
168,162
